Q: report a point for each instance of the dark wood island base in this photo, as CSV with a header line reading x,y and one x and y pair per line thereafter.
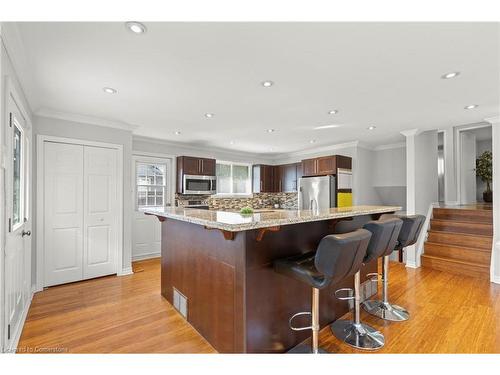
x,y
234,297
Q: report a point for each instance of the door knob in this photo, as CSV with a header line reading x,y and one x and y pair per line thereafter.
x,y
25,233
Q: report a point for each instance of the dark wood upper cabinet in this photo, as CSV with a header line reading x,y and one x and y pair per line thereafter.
x,y
325,165
208,167
263,178
309,167
189,165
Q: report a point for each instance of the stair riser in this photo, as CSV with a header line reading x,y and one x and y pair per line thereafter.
x,y
462,217
456,227
460,269
461,240
450,252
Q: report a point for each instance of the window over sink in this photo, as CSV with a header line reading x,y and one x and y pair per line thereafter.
x,y
233,179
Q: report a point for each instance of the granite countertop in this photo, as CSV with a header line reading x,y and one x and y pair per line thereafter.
x,y
263,218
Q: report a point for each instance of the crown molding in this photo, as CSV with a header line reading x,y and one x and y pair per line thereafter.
x,y
207,150
410,132
493,120
50,113
390,146
316,150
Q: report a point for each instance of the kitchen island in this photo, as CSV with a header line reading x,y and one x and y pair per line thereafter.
x,y
221,262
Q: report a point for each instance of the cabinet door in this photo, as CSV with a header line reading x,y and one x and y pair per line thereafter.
x,y
288,178
344,162
309,167
191,165
267,178
326,165
208,167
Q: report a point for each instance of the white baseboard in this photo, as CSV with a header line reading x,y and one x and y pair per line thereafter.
x,y
125,271
495,279
15,340
145,256
411,264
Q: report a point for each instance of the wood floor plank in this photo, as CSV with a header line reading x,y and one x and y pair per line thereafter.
x,y
449,314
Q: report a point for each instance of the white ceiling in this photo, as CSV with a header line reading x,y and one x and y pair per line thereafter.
x,y
382,74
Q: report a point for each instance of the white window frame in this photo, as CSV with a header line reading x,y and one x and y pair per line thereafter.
x,y
145,159
249,182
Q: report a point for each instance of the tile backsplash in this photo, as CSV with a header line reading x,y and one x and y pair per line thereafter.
x,y
257,201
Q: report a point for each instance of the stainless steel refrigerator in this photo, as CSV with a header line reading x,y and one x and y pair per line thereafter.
x,y
317,193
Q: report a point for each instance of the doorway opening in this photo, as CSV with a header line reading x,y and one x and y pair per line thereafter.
x,y
473,143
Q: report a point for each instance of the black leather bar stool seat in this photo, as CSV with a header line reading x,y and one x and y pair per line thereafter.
x,y
336,257
410,231
354,332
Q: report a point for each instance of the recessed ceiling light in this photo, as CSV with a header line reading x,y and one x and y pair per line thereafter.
x,y
333,112
371,127
472,106
327,127
267,83
136,27
177,133
312,141
271,149
450,75
109,90
209,115
231,142
270,130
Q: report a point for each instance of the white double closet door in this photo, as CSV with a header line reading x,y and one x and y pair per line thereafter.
x,y
81,211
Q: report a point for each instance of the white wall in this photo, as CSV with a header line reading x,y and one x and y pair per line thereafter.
x,y
77,130
481,146
363,171
389,175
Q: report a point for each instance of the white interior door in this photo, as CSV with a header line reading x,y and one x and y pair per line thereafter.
x,y
18,244
101,212
63,213
467,167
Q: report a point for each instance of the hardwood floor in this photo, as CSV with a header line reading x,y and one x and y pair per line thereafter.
x,y
449,314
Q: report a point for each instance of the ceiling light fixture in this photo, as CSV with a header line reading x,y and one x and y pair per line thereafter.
x,y
109,90
312,141
472,106
327,127
333,112
136,27
209,115
270,130
450,75
231,142
271,149
267,83
177,133
371,127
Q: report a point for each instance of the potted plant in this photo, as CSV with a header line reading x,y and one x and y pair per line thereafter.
x,y
484,169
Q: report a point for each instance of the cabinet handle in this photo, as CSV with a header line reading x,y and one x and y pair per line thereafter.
x,y
280,186
200,166
260,185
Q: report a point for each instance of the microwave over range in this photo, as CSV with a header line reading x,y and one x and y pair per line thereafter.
x,y
194,184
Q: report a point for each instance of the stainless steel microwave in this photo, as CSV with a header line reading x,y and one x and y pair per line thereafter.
x,y
199,185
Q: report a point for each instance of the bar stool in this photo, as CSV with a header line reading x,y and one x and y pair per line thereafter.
x,y
354,332
412,225
336,257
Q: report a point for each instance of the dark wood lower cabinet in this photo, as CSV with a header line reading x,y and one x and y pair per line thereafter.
x,y
235,299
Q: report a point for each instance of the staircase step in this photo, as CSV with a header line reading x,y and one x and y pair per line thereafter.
x,y
462,227
466,254
461,239
456,266
476,216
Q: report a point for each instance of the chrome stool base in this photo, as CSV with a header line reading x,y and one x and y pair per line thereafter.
x,y
386,311
306,348
359,336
